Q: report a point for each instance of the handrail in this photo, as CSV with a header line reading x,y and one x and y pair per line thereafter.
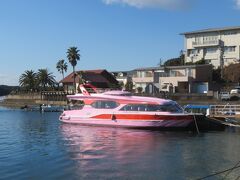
x,y
226,109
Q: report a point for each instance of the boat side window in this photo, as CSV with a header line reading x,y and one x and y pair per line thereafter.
x,y
134,107
152,108
104,104
75,105
171,107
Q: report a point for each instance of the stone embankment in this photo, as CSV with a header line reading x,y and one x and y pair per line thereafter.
x,y
17,101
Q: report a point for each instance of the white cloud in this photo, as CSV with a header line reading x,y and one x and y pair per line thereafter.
x,y
237,3
165,4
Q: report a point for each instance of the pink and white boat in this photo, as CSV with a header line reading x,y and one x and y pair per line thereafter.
x,y
122,109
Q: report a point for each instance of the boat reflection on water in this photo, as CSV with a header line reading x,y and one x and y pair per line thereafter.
x,y
106,152
118,153
111,152
99,142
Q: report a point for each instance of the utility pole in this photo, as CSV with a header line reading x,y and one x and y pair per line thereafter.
x,y
160,62
221,48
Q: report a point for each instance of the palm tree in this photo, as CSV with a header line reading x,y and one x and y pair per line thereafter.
x,y
28,80
73,56
62,67
45,78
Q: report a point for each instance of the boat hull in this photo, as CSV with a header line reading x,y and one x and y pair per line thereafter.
x,y
130,123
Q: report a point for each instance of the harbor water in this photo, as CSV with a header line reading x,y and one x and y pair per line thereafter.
x,y
36,145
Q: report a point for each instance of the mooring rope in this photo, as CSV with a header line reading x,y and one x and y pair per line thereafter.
x,y
196,124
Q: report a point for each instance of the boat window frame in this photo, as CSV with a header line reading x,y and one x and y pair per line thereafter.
x,y
116,104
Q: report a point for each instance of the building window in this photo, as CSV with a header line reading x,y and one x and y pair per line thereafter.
x,y
173,73
230,33
193,52
211,50
198,39
143,74
229,49
210,38
188,72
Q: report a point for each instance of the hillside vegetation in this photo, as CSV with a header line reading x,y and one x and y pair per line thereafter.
x,y
5,90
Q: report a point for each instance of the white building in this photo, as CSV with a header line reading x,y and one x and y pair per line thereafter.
x,y
122,76
189,78
219,47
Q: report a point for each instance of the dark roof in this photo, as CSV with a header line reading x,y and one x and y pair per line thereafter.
x,y
212,30
93,76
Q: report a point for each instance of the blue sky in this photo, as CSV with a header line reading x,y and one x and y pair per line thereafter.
x,y
111,34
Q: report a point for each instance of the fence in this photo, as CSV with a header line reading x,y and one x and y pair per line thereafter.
x,y
54,95
224,110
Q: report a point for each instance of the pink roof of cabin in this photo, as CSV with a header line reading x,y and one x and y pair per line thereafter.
x,y
117,93
119,96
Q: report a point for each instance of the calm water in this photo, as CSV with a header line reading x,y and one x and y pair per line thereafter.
x,y
38,146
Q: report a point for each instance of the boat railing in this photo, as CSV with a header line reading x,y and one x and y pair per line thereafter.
x,y
224,110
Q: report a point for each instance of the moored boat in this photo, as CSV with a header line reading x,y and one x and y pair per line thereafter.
x,y
122,109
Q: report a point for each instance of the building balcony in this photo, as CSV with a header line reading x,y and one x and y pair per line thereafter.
x,y
142,79
206,43
175,74
174,80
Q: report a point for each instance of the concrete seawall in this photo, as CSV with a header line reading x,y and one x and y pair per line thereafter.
x,y
17,101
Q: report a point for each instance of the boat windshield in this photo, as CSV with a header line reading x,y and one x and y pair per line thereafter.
x,y
75,105
168,107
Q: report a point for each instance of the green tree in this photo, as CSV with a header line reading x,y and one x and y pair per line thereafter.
x,y
62,67
129,86
45,79
73,56
179,61
28,80
231,73
173,62
139,89
216,75
121,84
